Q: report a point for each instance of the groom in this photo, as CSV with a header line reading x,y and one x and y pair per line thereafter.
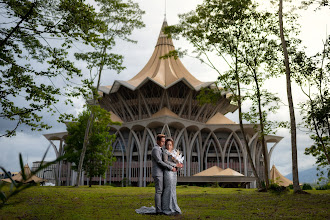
x,y
158,166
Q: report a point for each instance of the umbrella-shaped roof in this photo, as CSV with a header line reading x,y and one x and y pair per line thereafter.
x,y
27,172
163,72
228,172
278,178
210,171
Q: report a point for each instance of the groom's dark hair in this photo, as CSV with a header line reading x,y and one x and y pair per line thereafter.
x,y
160,136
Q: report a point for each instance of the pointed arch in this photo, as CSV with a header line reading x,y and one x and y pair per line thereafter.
x,y
181,146
234,163
134,161
195,157
211,157
178,137
166,130
147,162
117,170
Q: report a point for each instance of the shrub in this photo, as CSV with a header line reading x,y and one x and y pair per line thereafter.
x,y
323,187
215,185
151,184
307,186
274,187
290,186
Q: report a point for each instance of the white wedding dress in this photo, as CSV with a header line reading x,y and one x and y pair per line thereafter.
x,y
169,200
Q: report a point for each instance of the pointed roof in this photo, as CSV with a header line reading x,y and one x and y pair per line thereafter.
x,y
228,172
210,171
278,178
219,118
164,112
164,72
27,171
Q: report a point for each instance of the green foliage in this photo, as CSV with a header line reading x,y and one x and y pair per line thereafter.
x,y
151,184
245,37
323,187
208,95
276,188
306,186
215,185
99,149
120,19
16,188
313,76
34,53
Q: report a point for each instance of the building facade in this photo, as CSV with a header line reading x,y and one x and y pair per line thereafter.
x,y
163,98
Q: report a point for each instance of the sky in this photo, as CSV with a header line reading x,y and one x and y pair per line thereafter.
x,y
32,145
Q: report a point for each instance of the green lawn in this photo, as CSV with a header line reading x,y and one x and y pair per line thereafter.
x,y
105,202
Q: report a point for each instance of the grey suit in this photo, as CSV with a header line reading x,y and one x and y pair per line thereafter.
x,y
158,167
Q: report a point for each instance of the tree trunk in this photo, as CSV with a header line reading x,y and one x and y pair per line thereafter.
x,y
89,124
262,133
83,152
259,186
296,186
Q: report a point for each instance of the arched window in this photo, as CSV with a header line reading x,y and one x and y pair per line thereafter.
x,y
235,157
134,165
117,169
181,146
212,156
195,158
147,163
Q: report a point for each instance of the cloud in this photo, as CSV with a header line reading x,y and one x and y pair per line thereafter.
x,y
31,146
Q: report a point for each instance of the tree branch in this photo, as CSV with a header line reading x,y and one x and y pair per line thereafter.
x,y
3,42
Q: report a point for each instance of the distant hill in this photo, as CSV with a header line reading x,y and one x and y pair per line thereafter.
x,y
306,176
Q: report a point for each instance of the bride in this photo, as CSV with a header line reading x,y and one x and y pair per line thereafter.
x,y
169,200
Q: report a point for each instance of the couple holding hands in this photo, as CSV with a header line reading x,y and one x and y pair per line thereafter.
x,y
165,163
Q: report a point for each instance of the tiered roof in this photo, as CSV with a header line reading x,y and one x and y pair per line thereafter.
x,y
27,172
164,72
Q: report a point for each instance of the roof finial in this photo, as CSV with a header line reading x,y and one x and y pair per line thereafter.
x,y
165,12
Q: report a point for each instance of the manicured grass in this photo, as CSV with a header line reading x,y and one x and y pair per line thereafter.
x,y
105,202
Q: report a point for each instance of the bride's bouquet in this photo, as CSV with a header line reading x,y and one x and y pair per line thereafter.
x,y
177,156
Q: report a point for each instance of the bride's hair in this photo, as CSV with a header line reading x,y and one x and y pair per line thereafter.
x,y
169,139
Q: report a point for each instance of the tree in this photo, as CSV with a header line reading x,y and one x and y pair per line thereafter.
x,y
314,83
244,37
98,155
120,18
314,78
258,54
293,129
35,38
